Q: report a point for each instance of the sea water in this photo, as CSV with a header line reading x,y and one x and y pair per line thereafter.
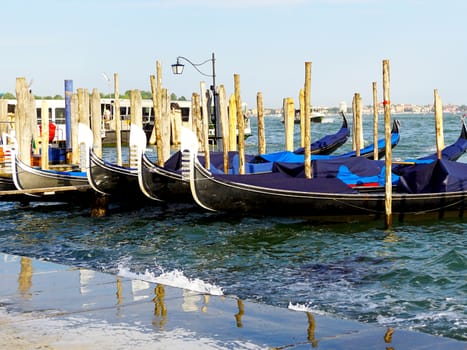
x,y
412,276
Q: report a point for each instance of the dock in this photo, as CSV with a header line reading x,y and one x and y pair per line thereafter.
x,y
44,305
28,194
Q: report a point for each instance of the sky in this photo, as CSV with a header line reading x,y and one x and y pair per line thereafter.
x,y
265,42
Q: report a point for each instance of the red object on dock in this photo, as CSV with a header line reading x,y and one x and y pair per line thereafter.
x,y
52,128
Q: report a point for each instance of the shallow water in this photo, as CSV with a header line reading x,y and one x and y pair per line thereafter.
x,y
412,276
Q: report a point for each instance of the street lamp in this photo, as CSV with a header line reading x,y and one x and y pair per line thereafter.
x,y
177,68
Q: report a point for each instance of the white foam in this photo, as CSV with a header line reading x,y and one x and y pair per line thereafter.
x,y
455,318
174,278
305,308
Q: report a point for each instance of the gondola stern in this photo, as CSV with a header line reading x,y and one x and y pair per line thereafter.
x,y
191,164
144,167
194,170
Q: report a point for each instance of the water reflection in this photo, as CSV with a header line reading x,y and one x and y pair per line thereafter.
x,y
311,329
191,302
160,309
240,313
388,338
391,236
25,278
119,291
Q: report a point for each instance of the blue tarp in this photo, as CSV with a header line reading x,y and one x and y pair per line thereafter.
x,y
440,176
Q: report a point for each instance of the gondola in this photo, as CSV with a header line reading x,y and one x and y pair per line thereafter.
x,y
27,177
329,143
48,185
430,188
322,199
165,183
265,162
110,179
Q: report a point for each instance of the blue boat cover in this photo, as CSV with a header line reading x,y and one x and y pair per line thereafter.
x,y
440,176
357,171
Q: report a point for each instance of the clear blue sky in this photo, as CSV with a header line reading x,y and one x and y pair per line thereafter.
x,y
266,42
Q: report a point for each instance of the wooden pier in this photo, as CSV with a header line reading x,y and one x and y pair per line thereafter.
x,y
43,194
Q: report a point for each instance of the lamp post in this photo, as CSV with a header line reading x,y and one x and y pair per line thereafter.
x,y
177,68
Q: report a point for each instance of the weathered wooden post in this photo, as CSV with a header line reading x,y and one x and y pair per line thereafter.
x,y
136,118
32,113
82,117
289,115
232,123
358,124
438,124
307,104
68,121
388,149
45,135
165,124
375,122
261,131
196,115
96,122
156,105
223,115
117,120
100,202
24,121
175,124
205,107
99,205
83,106
301,97
156,135
136,113
240,125
74,122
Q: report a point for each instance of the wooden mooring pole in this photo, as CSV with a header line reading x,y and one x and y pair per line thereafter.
x,y
358,132
375,122
24,121
100,204
74,123
240,125
232,123
96,122
289,115
301,103
196,115
438,124
205,107
165,123
117,120
261,131
307,94
156,135
45,135
224,119
68,119
388,149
